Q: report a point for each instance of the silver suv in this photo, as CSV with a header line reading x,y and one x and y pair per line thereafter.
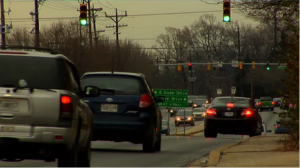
x,y
42,112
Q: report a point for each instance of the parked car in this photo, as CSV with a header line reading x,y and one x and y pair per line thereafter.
x,y
43,115
130,113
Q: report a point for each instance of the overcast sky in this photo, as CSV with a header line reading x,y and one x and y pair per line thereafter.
x,y
143,29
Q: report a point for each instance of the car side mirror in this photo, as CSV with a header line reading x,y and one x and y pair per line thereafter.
x,y
91,91
160,99
269,131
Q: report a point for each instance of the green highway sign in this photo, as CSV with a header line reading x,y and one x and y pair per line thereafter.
x,y
173,98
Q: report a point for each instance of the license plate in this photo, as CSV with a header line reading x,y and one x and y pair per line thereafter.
x,y
7,129
229,114
109,107
9,104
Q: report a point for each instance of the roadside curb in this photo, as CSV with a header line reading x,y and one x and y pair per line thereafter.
x,y
215,155
188,134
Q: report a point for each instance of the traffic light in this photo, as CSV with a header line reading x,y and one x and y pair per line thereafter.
x,y
179,67
268,66
208,66
226,10
83,14
190,66
253,64
241,65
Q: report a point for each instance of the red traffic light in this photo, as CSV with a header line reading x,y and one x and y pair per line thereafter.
x,y
190,64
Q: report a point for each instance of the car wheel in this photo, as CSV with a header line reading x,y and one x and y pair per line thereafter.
x,y
157,144
84,156
68,158
149,141
255,131
210,134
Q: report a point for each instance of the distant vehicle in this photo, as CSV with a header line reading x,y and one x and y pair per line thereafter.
x,y
199,113
199,102
236,115
265,103
277,101
42,108
191,97
205,105
188,118
190,103
280,129
131,113
201,97
165,127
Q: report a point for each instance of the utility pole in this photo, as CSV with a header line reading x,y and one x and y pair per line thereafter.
x,y
275,29
116,18
94,10
90,23
37,25
192,84
2,25
239,43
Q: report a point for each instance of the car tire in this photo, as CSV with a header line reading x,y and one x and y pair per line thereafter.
x,y
157,144
84,156
255,131
68,158
210,134
149,142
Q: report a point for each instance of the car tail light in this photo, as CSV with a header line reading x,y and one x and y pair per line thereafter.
x,y
247,112
259,103
178,118
66,109
145,101
273,103
211,111
230,105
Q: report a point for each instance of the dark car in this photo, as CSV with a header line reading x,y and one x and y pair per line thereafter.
x,y
236,115
165,127
185,117
129,114
199,102
277,101
199,113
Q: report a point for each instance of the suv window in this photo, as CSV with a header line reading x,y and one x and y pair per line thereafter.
x,y
38,72
235,101
123,85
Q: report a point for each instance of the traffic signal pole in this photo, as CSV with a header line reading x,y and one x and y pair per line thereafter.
x,y
192,84
37,24
90,23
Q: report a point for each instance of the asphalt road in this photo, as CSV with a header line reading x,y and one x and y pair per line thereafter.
x,y
176,151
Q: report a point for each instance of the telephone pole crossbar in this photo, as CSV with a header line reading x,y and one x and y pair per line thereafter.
x,y
116,18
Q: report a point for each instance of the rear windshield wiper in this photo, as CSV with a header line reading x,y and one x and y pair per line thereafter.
x,y
31,89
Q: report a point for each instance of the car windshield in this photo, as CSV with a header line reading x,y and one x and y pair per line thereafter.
x,y
241,102
187,113
30,72
122,85
277,99
199,102
199,110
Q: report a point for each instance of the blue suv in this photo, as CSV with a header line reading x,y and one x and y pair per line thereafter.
x,y
125,110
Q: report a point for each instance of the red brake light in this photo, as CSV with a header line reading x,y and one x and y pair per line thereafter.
x,y
190,64
247,112
273,103
259,103
230,105
145,101
66,107
276,126
210,111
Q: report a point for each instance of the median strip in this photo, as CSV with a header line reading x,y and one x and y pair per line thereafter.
x,y
192,131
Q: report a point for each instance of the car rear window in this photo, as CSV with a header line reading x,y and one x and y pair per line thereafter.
x,y
187,112
265,99
30,72
122,85
236,101
200,110
199,102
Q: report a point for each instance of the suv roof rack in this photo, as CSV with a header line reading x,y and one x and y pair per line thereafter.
x,y
49,50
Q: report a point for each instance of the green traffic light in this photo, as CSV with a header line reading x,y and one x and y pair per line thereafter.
x,y
268,68
83,22
226,18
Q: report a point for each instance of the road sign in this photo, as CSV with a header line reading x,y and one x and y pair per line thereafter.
x,y
233,89
219,91
173,98
235,63
192,79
